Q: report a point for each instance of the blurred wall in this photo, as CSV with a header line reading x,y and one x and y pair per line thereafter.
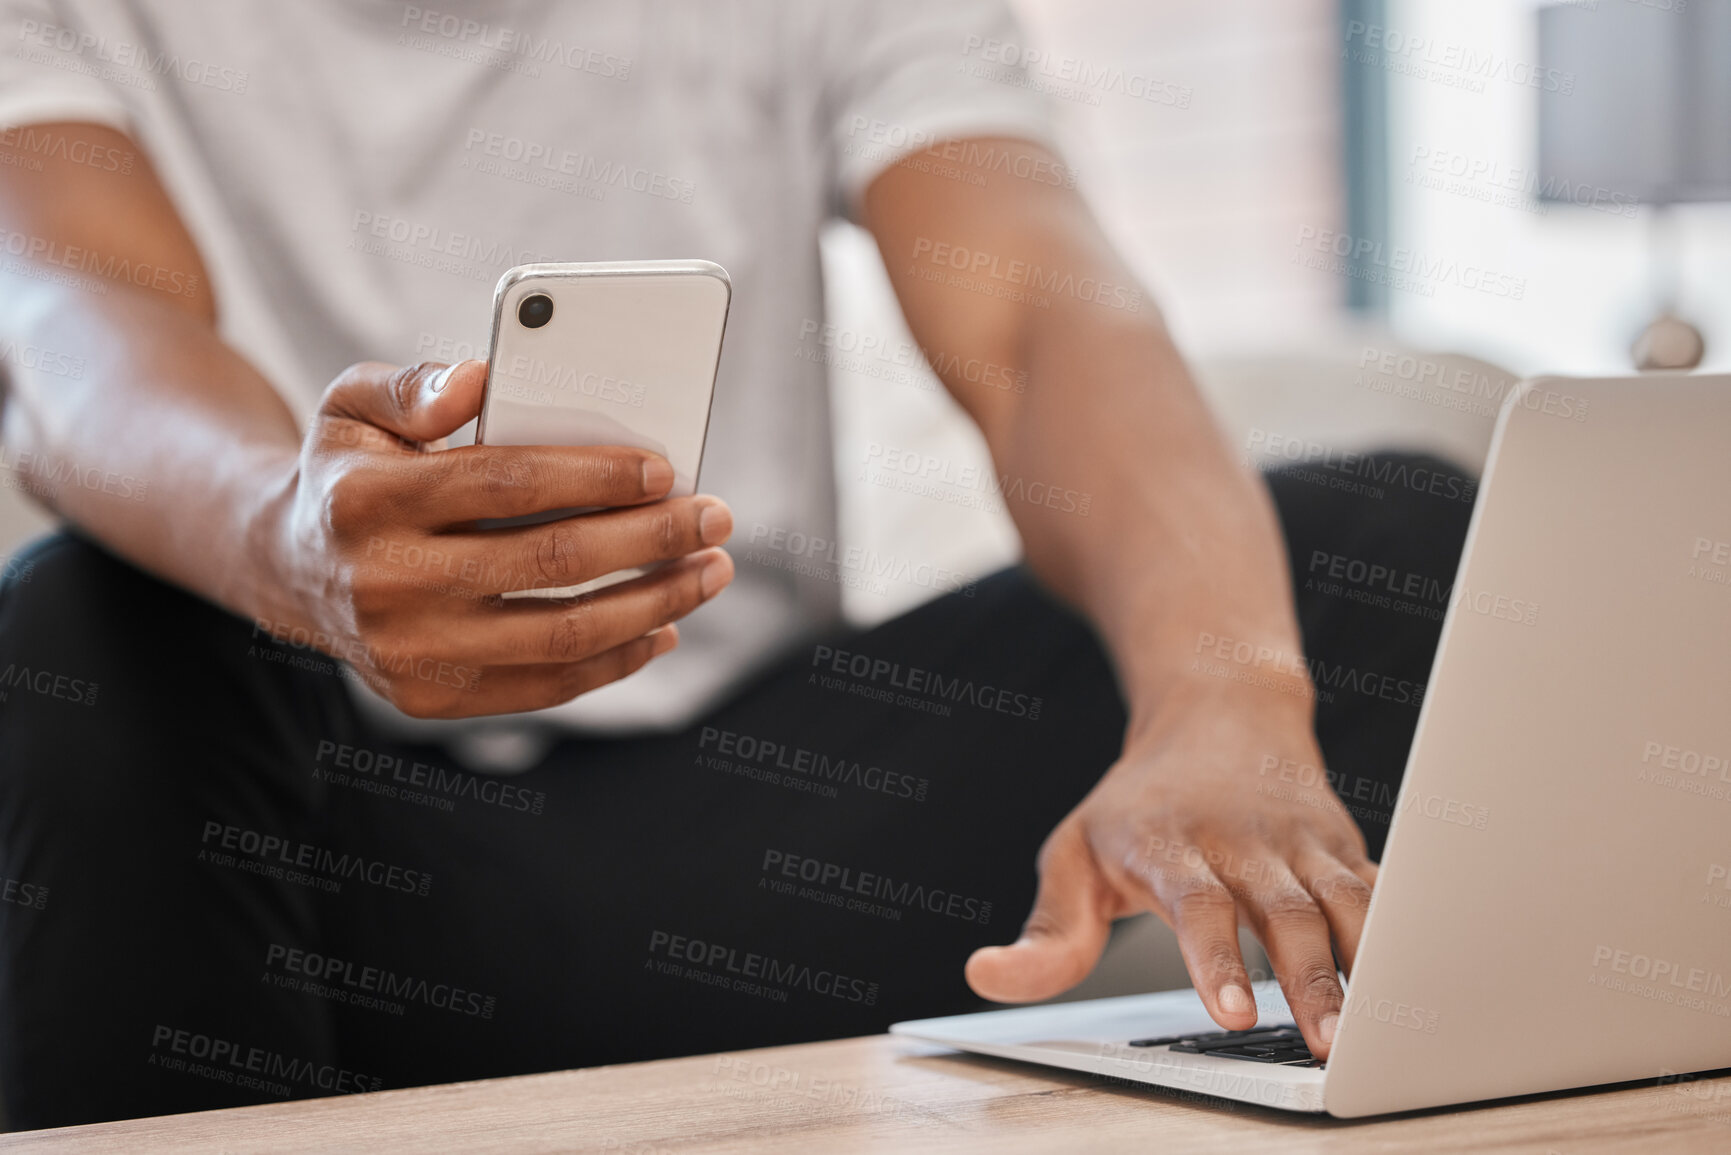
x,y
1207,184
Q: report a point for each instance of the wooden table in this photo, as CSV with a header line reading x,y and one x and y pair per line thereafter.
x,y
879,1094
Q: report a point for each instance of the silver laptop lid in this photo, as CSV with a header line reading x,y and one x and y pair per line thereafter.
x,y
1554,908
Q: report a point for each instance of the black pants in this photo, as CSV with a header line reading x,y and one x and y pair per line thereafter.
x,y
221,888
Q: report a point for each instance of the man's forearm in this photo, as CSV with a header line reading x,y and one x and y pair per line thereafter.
x,y
1176,540
1179,541
124,411
165,445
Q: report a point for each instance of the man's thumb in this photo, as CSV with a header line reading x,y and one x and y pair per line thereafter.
x,y
418,403
1062,938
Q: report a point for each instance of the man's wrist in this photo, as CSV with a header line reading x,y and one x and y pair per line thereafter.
x,y
1268,681
263,584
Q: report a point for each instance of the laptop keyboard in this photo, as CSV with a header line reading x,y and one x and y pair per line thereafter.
x,y
1277,1044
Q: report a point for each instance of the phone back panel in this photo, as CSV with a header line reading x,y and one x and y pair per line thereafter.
x,y
629,357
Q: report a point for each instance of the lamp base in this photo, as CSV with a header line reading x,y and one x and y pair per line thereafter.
x,y
1669,342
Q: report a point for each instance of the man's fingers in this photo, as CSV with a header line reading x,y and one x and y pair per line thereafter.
x,y
401,413
1062,938
511,689
473,482
573,550
418,403
1205,917
1344,898
1296,936
551,555
540,631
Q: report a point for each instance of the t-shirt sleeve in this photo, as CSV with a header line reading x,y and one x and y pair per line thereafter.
x,y
905,74
51,69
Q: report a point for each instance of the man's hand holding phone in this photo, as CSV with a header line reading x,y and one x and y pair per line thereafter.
x,y
375,536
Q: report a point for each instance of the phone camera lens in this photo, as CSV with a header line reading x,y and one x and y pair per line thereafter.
x,y
535,311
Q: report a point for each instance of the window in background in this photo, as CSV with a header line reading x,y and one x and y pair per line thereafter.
x,y
1464,82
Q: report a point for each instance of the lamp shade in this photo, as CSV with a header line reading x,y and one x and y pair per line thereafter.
x,y
1644,109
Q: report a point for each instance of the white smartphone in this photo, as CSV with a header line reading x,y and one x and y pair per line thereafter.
x,y
608,353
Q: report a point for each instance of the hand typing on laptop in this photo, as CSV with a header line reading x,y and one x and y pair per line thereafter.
x,y
1182,826
1179,565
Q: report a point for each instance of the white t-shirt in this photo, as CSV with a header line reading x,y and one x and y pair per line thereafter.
x,y
357,175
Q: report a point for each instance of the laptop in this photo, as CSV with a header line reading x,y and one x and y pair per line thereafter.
x,y
1575,930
